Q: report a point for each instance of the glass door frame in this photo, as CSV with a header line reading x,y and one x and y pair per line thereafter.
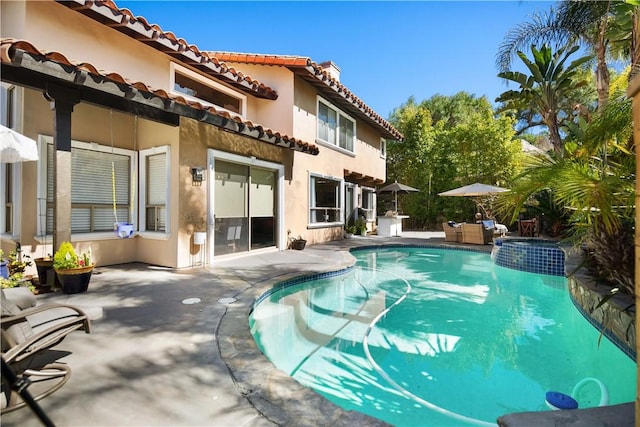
x,y
212,156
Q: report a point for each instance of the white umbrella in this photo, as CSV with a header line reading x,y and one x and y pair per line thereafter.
x,y
478,192
15,147
396,188
474,190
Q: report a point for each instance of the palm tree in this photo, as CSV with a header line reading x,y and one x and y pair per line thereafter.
x,y
596,25
547,91
594,187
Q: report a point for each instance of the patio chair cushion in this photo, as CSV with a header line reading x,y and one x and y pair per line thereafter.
x,y
489,223
20,296
21,331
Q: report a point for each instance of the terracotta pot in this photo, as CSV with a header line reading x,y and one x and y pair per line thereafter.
x,y
75,280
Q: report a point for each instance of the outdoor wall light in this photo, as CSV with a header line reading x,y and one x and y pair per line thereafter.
x,y
197,174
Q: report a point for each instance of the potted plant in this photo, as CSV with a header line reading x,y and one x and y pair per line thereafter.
x,y
297,243
12,270
46,274
4,266
349,230
361,226
73,271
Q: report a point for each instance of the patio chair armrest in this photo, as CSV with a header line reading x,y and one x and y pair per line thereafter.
x,y
49,324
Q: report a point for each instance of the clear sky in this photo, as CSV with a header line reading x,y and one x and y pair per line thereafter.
x,y
387,51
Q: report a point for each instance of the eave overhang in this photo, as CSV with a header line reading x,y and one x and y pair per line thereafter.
x,y
107,13
24,65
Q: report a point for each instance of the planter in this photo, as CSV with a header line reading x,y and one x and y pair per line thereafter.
x,y
4,269
46,274
199,237
75,280
298,244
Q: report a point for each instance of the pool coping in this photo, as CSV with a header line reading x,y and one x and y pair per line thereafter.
x,y
284,401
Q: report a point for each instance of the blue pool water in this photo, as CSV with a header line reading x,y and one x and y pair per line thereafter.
x,y
425,336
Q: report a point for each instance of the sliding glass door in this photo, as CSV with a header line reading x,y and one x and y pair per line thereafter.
x,y
245,199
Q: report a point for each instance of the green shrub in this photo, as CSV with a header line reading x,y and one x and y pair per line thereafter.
x,y
65,257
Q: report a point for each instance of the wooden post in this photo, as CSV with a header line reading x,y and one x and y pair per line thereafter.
x,y
62,101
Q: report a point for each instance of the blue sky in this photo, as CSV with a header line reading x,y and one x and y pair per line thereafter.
x,y
387,51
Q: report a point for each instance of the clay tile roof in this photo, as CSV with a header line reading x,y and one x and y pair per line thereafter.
x,y
11,49
314,73
137,27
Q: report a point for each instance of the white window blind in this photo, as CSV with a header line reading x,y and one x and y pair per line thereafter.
x,y
156,192
92,189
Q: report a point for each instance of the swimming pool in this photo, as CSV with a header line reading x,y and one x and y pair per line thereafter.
x,y
426,336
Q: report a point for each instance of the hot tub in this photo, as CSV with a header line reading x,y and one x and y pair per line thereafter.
x,y
532,255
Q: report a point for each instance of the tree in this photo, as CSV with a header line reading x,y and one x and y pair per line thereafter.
x,y
547,90
594,186
605,28
449,142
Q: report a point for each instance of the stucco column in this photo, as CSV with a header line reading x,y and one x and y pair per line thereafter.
x,y
62,101
633,90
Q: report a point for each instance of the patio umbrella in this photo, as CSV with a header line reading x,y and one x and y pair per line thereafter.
x,y
478,192
396,188
474,190
15,147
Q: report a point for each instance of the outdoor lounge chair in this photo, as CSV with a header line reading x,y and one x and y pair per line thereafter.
x,y
452,233
476,234
28,332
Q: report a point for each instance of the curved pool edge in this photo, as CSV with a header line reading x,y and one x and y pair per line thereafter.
x,y
283,401
275,395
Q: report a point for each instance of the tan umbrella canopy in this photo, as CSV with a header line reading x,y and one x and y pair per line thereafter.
x,y
15,147
478,192
396,188
474,190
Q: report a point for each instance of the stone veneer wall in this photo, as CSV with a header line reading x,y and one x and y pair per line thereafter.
x,y
616,317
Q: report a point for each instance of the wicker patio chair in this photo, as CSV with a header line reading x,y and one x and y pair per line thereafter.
x,y
451,234
476,234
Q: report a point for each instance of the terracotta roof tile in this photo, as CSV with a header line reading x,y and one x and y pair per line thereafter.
x,y
137,27
312,69
10,47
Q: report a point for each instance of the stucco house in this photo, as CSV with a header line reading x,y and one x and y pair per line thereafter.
x,y
136,126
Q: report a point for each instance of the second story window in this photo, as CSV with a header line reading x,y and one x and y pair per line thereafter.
x,y
196,87
335,127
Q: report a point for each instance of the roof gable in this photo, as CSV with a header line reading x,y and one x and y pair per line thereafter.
x,y
318,77
137,27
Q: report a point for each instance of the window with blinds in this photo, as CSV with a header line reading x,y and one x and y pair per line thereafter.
x,y
92,189
156,192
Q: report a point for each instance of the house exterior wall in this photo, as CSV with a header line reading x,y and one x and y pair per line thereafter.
x,y
52,26
295,112
276,114
94,125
